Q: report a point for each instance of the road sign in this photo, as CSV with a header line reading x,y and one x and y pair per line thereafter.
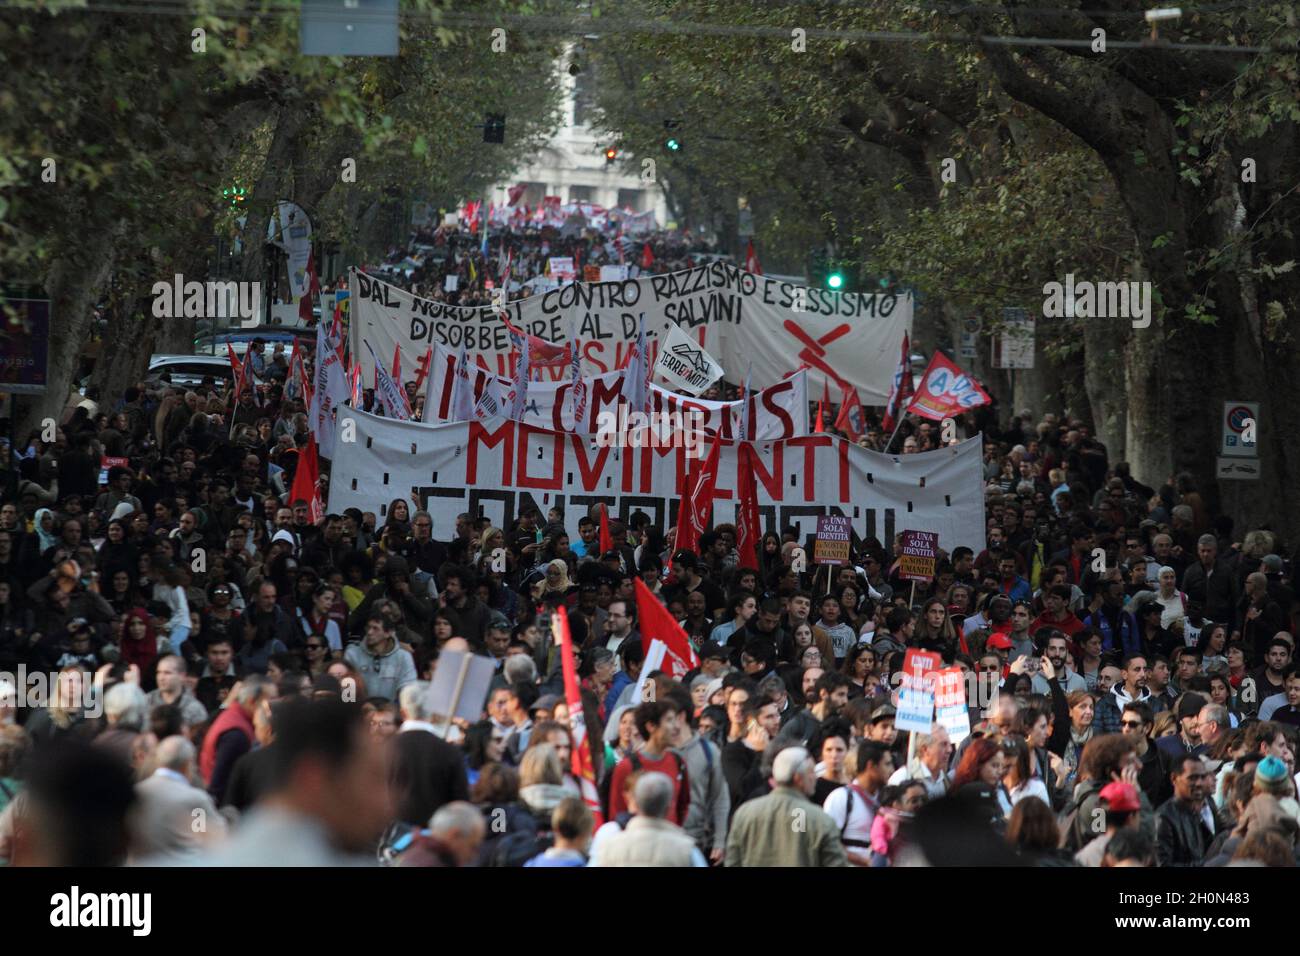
x,y
1237,469
1235,417
1014,346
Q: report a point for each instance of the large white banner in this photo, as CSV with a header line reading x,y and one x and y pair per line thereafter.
x,y
466,467
848,339
777,412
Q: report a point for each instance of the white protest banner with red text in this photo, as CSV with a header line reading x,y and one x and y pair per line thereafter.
x,y
846,339
466,467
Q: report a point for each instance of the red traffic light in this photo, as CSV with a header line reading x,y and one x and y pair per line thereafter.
x,y
611,154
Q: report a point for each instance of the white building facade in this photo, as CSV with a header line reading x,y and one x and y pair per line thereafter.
x,y
573,164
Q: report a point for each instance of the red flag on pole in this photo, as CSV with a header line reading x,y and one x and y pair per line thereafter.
x,y
851,419
582,764
606,539
698,501
238,368
657,624
647,257
313,287
306,480
751,260
946,391
749,531
821,406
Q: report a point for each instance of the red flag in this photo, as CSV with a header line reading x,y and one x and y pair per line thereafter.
x,y
821,406
901,389
749,531
658,625
540,351
313,287
946,391
647,257
698,501
582,764
238,368
306,480
751,260
851,418
515,192
606,539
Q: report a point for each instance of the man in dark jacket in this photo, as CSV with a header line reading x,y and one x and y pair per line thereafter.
x,y
1208,582
417,612
468,614
1186,823
427,772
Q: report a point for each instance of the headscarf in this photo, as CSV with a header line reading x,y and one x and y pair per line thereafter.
x,y
564,583
47,540
142,653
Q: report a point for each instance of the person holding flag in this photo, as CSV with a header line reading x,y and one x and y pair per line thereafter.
x,y
582,762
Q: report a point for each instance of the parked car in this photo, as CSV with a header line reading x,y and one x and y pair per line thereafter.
x,y
189,370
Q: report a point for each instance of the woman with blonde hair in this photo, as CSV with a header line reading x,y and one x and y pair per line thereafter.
x,y
491,539
541,783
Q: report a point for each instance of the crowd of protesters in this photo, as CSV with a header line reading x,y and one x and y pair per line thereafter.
x,y
229,682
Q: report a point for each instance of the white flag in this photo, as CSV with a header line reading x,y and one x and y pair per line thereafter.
x,y
685,364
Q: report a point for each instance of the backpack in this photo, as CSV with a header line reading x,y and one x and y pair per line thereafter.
x,y
683,793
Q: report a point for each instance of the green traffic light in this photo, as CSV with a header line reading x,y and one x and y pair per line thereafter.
x,y
674,145
835,280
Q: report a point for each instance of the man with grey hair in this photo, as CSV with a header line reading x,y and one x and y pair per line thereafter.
x,y
650,839
231,734
1212,721
126,710
453,838
1208,582
173,819
785,828
427,772
930,765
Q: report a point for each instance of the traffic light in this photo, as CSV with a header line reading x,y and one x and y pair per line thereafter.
x,y
611,154
835,280
673,142
494,128
234,196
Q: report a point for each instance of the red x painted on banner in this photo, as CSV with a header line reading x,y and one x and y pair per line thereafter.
x,y
815,349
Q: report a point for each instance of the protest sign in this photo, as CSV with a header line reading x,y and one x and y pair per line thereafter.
x,y
834,535
916,697
845,339
950,703
919,554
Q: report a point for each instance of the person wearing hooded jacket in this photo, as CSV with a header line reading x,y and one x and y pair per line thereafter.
x,y
386,667
395,587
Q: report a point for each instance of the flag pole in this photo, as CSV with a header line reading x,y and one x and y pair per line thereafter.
x,y
901,415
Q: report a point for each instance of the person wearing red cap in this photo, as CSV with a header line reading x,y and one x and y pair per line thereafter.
x,y
1123,807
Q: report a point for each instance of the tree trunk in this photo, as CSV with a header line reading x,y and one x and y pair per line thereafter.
x,y
74,283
